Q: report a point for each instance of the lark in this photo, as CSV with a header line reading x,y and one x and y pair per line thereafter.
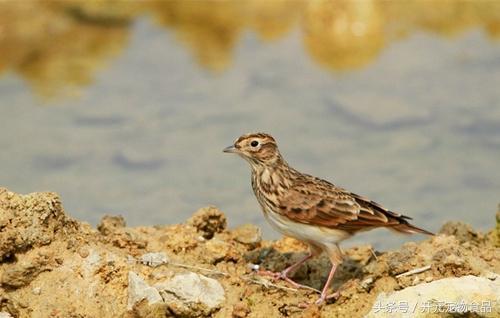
x,y
308,208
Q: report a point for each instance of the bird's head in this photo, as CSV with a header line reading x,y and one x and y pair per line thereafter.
x,y
257,148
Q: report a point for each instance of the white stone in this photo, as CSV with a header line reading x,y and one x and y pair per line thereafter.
x,y
131,260
154,259
138,290
367,283
4,314
192,288
90,262
475,294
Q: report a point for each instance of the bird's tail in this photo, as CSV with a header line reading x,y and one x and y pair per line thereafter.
x,y
408,228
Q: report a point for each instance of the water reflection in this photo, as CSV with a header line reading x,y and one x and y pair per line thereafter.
x,y
52,47
418,129
59,46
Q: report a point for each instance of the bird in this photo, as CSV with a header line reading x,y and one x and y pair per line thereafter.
x,y
310,209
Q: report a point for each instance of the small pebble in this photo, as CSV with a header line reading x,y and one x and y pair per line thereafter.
x,y
36,291
429,279
366,283
491,275
416,280
240,310
131,260
83,252
154,259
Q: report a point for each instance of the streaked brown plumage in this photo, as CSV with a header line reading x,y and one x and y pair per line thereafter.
x,y
310,209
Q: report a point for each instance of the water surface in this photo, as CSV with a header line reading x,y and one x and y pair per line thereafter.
x,y
124,108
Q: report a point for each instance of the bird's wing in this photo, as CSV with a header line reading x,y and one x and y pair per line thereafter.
x,y
318,202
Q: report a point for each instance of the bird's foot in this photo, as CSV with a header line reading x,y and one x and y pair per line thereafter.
x,y
275,276
321,300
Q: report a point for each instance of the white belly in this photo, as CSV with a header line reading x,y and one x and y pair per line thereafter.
x,y
323,237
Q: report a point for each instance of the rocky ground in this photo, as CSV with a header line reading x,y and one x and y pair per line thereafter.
x,y
54,266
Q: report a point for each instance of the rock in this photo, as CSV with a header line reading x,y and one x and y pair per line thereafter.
x,y
131,260
288,244
145,310
22,273
125,238
217,250
154,259
85,272
110,223
401,261
452,259
90,263
367,283
247,234
416,280
491,275
83,252
361,254
476,295
114,231
192,295
138,290
208,221
240,310
31,220
463,232
5,315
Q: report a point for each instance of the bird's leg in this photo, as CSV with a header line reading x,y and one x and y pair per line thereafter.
x,y
293,267
284,273
324,291
335,254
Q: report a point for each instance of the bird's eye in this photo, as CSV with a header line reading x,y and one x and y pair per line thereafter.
x,y
254,143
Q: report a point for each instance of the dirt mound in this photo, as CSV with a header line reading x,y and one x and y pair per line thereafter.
x,y
54,266
29,221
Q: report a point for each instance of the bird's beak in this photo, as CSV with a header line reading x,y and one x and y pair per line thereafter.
x,y
230,149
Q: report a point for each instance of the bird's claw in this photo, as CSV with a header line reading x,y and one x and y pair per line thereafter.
x,y
275,276
321,300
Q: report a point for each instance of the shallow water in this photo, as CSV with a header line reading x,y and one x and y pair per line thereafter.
x,y
133,121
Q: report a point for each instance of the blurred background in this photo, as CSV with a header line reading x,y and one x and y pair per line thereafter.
x,y
124,107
